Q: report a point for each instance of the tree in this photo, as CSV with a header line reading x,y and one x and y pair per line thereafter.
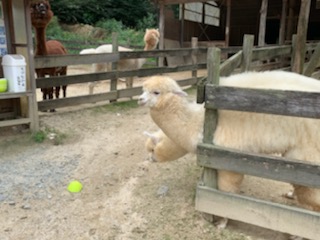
x,y
129,12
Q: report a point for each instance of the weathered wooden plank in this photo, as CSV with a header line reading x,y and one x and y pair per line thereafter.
x,y
300,46
120,93
263,22
265,53
291,103
211,115
163,53
274,216
74,79
73,59
10,95
72,101
248,42
228,66
12,122
271,167
91,77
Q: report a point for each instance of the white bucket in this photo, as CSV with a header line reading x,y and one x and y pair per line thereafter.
x,y
14,69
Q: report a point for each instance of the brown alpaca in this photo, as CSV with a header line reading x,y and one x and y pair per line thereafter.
x,y
41,15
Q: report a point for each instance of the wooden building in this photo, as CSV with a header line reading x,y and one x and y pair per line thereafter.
x,y
274,21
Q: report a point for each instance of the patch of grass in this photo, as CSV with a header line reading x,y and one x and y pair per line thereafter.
x,y
39,136
56,137
117,106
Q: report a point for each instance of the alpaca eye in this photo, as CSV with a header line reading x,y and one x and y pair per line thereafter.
x,y
156,92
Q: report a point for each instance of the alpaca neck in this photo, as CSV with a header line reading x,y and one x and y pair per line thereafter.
x,y
41,48
180,121
141,61
149,47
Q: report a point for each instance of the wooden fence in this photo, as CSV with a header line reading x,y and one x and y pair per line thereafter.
x,y
262,58
209,199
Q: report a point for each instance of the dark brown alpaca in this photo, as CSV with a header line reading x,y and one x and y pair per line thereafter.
x,y
41,15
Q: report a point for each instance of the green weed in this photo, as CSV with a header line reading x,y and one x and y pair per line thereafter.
x,y
56,137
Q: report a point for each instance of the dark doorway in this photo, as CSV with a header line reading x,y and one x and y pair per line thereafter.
x,y
272,31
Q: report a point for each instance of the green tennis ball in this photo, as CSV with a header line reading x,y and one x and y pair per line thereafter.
x,y
74,186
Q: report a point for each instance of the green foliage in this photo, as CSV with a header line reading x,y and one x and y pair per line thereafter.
x,y
110,25
39,136
129,12
53,135
148,21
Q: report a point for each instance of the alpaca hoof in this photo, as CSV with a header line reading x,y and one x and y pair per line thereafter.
x,y
52,110
222,223
289,195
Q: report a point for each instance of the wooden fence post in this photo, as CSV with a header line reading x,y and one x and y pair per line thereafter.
x,y
113,82
293,51
194,45
300,46
209,175
263,19
211,115
247,52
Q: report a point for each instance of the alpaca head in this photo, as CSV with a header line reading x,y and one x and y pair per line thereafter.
x,y
151,38
156,87
41,13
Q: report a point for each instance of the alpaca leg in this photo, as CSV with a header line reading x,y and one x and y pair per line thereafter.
x,y
64,89
57,91
228,182
129,82
50,94
308,197
44,93
91,86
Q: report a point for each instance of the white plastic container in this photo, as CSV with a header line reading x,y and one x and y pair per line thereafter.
x,y
14,69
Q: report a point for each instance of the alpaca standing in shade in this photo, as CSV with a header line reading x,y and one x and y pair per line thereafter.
x,y
41,15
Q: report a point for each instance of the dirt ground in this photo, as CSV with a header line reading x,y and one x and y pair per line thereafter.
x,y
124,195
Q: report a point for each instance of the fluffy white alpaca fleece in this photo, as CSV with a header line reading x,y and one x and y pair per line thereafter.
x,y
162,148
293,137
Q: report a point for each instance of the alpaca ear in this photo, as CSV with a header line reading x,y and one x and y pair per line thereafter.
x,y
181,93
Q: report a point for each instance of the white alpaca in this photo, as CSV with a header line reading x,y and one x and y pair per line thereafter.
x,y
151,40
162,148
292,137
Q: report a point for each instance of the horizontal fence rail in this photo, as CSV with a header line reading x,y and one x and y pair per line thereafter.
x,y
280,102
271,167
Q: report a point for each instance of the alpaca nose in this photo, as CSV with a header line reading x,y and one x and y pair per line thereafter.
x,y
42,7
141,100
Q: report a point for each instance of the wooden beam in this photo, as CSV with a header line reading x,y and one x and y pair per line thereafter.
x,y
263,19
300,46
227,29
248,42
289,103
282,29
265,166
279,217
161,30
